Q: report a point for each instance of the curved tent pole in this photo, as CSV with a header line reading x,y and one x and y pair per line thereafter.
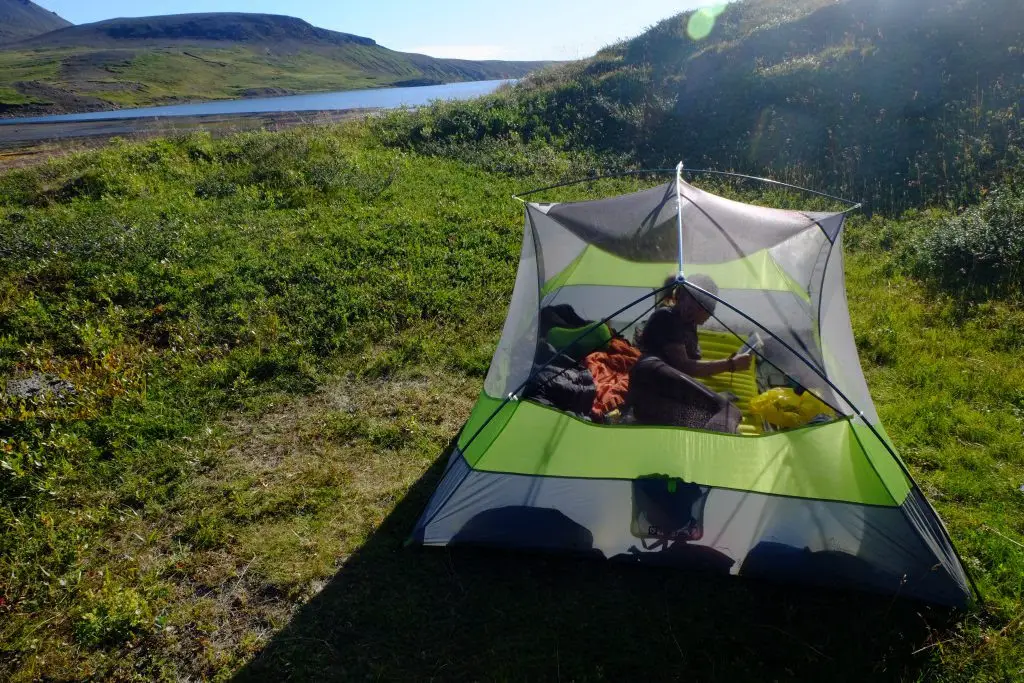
x,y
860,414
654,171
579,181
769,181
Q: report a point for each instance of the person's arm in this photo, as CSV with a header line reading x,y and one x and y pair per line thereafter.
x,y
676,356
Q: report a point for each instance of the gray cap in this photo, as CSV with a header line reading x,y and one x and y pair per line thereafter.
x,y
706,283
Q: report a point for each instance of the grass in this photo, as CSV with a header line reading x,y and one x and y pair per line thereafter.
x,y
198,74
24,66
273,338
137,78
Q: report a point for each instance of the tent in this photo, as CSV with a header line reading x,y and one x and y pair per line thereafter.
x,y
828,502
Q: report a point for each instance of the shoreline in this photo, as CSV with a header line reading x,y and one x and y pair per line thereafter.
x,y
10,114
26,144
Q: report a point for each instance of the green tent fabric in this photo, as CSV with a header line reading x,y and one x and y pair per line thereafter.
x,y
829,502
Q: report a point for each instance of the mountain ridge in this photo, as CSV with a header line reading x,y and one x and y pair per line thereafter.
x,y
204,27
145,61
21,19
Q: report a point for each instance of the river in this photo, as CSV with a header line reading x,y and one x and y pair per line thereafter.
x,y
371,98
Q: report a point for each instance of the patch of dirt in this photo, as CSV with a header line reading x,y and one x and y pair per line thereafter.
x,y
202,59
267,92
94,65
111,86
59,101
289,429
38,385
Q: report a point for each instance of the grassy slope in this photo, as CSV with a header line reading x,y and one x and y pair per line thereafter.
x,y
171,75
273,336
130,76
19,66
898,104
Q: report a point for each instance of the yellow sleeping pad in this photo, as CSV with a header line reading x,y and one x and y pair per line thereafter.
x,y
743,383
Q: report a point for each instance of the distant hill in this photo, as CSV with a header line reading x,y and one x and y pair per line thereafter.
x,y
281,32
894,101
21,19
190,57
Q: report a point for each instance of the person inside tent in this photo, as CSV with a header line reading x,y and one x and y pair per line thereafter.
x,y
662,388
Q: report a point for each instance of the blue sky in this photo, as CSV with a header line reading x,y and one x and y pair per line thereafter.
x,y
524,29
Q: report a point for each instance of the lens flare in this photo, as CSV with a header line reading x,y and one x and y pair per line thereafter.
x,y
702,22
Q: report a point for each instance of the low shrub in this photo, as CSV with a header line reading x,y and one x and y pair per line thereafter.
x,y
979,252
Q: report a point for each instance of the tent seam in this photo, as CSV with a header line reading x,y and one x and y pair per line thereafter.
x,y
455,489
821,297
915,488
787,496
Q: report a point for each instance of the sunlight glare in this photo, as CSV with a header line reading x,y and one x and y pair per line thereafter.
x,y
702,22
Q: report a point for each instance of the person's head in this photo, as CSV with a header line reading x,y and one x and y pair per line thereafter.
x,y
695,305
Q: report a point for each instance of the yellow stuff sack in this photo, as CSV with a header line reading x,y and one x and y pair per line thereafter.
x,y
782,407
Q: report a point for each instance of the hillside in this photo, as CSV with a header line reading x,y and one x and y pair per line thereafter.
x,y
281,32
892,102
261,346
21,19
169,59
232,369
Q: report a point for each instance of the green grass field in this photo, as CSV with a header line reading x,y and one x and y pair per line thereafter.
x,y
273,339
199,74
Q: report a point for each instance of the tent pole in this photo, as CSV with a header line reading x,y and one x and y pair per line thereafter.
x,y
661,171
679,217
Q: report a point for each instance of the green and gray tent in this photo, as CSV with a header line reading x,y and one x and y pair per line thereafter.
x,y
827,503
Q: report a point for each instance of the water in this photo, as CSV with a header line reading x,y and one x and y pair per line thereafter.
x,y
373,98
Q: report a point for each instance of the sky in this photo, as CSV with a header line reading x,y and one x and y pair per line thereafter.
x,y
467,29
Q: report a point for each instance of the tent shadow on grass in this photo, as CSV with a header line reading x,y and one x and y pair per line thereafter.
x,y
397,613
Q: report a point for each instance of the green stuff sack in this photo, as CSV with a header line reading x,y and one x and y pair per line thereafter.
x,y
596,338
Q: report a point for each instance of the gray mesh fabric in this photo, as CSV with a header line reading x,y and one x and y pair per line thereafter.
x,y
643,226
840,352
556,246
513,360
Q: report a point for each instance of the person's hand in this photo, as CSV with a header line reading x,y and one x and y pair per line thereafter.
x,y
741,362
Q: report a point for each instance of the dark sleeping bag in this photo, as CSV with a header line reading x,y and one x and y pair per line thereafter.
x,y
564,384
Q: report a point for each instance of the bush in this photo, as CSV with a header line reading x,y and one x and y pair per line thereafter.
x,y
979,252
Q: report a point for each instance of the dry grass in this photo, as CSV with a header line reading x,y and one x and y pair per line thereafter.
x,y
278,502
